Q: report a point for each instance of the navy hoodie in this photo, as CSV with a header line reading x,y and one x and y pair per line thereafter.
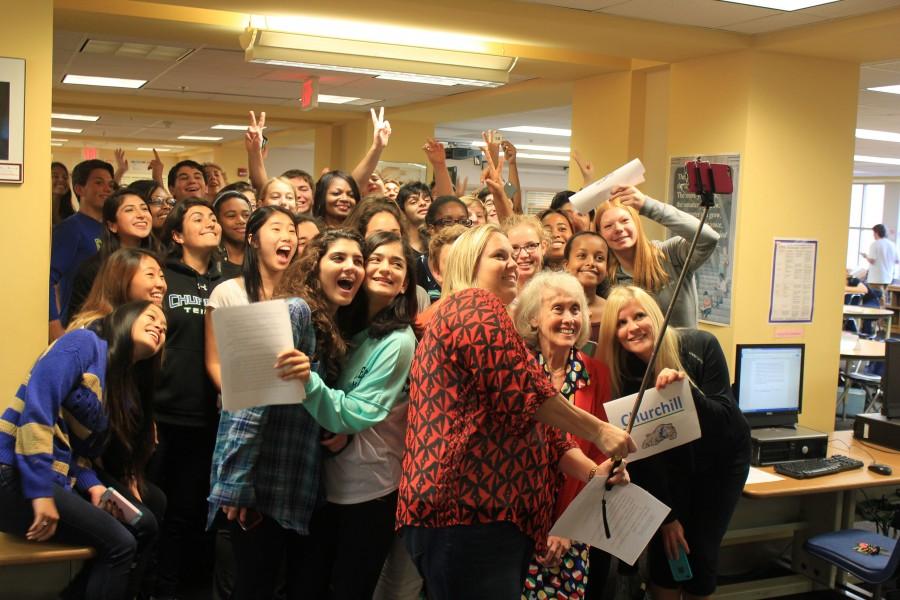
x,y
185,394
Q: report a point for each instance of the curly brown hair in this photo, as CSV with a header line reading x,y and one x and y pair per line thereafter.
x,y
301,280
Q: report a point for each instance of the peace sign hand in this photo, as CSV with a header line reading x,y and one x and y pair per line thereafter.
x,y
382,128
253,139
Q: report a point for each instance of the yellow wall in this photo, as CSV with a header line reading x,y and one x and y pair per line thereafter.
x,y
792,120
25,234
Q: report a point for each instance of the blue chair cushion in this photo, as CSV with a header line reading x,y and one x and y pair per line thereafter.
x,y
837,548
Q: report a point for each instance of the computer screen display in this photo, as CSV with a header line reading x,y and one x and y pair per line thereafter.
x,y
769,383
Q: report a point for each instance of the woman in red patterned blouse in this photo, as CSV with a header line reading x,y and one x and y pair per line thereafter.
x,y
484,454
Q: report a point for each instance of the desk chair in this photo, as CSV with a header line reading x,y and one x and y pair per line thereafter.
x,y
853,299
837,549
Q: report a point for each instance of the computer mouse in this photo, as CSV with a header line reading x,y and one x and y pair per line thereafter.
x,y
881,469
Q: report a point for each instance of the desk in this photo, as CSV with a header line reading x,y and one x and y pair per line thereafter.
x,y
798,509
860,313
854,350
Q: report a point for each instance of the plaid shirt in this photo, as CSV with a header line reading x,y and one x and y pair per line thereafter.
x,y
269,457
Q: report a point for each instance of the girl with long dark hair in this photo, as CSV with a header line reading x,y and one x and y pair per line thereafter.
x,y
127,224
61,207
101,379
265,475
232,211
355,529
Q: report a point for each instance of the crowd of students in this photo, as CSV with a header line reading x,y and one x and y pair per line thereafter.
x,y
455,353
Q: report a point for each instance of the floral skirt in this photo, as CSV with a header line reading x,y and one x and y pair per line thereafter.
x,y
567,581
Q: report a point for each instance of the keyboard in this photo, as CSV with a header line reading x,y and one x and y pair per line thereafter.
x,y
816,467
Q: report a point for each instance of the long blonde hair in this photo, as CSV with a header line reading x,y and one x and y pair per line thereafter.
x,y
462,262
648,270
610,350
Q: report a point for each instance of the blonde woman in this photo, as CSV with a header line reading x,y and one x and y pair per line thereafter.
x,y
650,264
279,191
701,481
473,368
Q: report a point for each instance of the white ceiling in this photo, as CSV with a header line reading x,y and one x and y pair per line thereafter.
x,y
715,14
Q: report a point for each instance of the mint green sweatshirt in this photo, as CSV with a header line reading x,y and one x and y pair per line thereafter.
x,y
371,381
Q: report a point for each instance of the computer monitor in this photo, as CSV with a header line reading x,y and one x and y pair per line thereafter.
x,y
768,383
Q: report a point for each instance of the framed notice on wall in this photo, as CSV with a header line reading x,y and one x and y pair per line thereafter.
x,y
793,289
12,120
714,276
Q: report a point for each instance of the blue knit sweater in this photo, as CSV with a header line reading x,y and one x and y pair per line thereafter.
x,y
56,422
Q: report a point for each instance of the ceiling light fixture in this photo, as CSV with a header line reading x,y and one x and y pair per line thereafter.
x,y
200,138
143,149
535,147
68,117
782,5
539,130
59,139
371,53
104,81
542,156
66,130
878,136
230,127
56,143
887,89
879,160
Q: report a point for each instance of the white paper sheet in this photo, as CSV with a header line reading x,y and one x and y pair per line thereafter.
x,y
792,296
249,339
760,476
666,419
591,196
632,513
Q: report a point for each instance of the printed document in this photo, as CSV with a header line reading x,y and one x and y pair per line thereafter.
x,y
592,195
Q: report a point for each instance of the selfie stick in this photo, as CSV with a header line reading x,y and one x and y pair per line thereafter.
x,y
707,198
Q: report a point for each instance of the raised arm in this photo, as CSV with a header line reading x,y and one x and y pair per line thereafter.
x,y
253,142
679,222
434,152
586,167
121,165
211,356
156,167
380,138
509,153
493,179
610,440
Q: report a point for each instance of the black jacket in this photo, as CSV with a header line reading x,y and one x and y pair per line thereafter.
x,y
185,395
724,433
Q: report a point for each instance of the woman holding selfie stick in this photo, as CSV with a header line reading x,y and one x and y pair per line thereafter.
x,y
701,481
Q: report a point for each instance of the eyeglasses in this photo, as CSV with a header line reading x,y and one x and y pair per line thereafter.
x,y
529,249
448,221
161,201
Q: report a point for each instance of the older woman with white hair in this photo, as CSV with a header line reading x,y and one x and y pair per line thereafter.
x,y
484,450
554,319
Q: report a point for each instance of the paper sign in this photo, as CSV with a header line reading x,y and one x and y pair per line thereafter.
x,y
759,476
591,196
249,339
665,420
632,513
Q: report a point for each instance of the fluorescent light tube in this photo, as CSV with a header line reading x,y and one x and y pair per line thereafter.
x,y
539,130
200,138
59,140
879,136
412,78
104,81
542,156
66,130
783,5
887,89
535,147
55,144
157,149
230,127
329,99
879,160
69,117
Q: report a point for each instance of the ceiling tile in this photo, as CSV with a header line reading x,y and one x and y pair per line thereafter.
x,y
849,8
776,22
579,4
700,13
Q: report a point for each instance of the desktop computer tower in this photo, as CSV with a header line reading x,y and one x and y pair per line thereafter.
x,y
890,381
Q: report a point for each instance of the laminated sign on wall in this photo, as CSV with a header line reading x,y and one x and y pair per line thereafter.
x,y
665,420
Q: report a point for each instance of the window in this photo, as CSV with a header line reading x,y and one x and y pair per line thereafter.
x,y
866,210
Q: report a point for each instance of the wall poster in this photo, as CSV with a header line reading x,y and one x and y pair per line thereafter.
x,y
12,120
713,277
